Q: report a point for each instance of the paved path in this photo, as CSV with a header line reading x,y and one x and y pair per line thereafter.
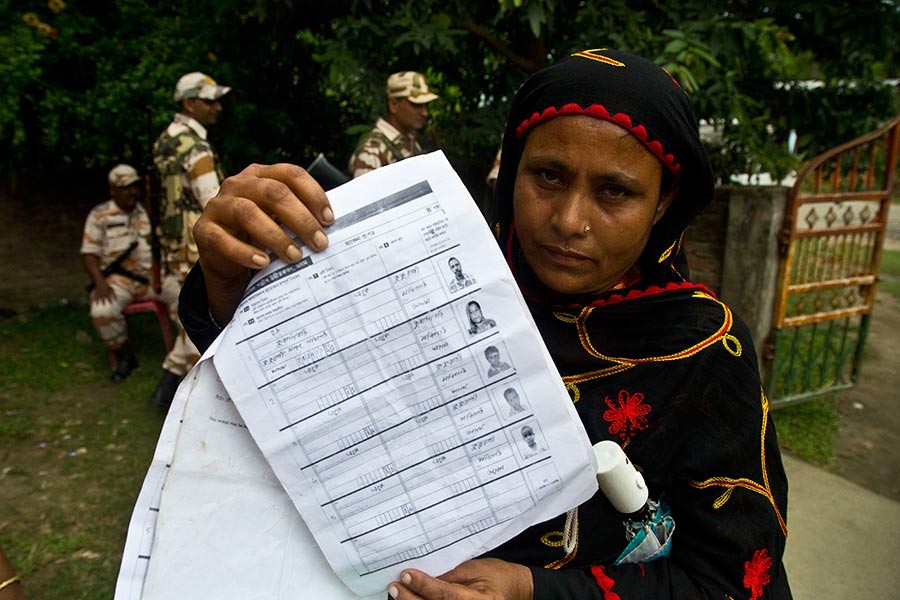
x,y
843,540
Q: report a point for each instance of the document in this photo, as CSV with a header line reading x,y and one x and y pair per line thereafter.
x,y
217,524
398,388
142,527
226,529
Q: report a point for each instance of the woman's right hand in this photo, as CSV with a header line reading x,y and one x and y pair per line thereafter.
x,y
244,220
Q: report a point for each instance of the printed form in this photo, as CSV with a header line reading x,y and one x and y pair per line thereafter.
x,y
209,488
398,386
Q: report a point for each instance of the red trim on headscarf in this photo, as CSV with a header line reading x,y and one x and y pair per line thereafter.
x,y
634,294
672,77
605,582
598,111
652,291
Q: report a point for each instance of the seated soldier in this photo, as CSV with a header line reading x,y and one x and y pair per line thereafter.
x,y
115,249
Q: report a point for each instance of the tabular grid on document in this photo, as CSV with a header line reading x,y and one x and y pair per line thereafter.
x,y
357,389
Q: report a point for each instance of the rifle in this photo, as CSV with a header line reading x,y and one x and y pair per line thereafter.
x,y
152,200
116,267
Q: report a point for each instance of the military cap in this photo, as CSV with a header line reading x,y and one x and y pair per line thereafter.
x,y
199,85
410,85
123,175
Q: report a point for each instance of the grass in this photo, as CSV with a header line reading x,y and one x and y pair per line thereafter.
x,y
890,270
809,429
74,449
814,357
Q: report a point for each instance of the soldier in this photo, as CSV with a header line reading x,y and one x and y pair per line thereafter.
x,y
394,136
190,174
115,249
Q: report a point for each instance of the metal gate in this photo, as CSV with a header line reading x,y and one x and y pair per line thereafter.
x,y
830,252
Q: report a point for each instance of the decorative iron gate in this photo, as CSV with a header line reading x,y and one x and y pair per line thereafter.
x,y
830,252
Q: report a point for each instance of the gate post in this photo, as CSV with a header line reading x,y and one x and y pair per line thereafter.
x,y
750,264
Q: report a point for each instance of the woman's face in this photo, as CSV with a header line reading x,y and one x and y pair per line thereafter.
x,y
579,172
475,315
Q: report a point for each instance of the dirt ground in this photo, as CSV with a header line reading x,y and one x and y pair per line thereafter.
x,y
868,449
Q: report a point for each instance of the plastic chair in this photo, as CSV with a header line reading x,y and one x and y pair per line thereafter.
x,y
162,315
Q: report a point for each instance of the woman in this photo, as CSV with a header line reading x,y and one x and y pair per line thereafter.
x,y
477,322
602,170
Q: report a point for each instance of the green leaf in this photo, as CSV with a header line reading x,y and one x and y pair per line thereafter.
x,y
536,18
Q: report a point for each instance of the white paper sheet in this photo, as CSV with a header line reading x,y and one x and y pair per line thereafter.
x,y
378,394
142,527
226,529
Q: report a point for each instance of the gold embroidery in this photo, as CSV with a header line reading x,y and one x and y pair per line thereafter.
x,y
729,339
666,254
558,564
623,363
554,539
730,484
564,317
673,249
591,55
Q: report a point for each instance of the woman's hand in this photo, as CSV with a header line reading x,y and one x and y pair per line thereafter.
x,y
481,579
244,220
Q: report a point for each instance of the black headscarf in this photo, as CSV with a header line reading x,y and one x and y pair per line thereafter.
x,y
642,98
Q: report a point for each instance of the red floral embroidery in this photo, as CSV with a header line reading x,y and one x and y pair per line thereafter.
x,y
605,582
629,417
756,573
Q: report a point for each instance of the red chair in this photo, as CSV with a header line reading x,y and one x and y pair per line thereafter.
x,y
162,315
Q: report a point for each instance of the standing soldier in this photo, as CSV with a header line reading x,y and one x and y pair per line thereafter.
x,y
190,174
394,136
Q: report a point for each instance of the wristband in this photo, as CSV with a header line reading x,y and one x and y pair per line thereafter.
x,y
9,582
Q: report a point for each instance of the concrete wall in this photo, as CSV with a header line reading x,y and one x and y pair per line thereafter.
x,y
705,242
732,248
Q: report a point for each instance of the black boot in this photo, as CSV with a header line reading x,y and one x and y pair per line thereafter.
x,y
165,390
126,362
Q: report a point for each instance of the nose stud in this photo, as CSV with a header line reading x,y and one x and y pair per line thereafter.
x,y
587,228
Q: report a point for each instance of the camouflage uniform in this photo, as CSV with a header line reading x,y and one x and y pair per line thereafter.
x,y
108,232
385,144
175,153
180,147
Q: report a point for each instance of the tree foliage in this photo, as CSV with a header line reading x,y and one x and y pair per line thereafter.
x,y
89,83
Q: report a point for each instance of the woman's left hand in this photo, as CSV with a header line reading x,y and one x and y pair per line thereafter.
x,y
481,578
